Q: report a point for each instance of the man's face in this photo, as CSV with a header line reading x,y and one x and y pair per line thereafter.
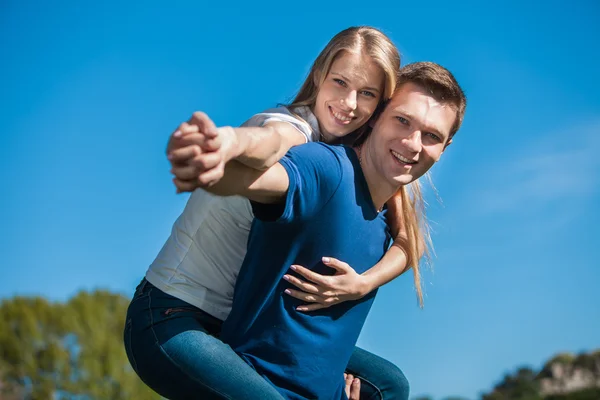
x,y
410,135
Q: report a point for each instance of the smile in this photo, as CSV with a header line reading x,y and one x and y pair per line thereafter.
x,y
402,159
340,117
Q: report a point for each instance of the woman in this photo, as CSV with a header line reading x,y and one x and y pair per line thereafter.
x,y
175,317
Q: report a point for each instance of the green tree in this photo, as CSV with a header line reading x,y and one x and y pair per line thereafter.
x,y
66,350
518,386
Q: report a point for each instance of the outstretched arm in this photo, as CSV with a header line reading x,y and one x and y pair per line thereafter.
x,y
257,147
231,178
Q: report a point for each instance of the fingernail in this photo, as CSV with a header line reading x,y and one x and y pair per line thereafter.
x,y
293,267
355,381
326,259
288,291
177,133
286,277
300,309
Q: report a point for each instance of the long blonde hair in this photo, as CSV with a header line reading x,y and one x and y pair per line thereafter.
x,y
413,233
359,40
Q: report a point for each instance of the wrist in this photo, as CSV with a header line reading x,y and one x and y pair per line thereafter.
x,y
365,285
230,142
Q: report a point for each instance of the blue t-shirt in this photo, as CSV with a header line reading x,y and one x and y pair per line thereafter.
x,y
328,211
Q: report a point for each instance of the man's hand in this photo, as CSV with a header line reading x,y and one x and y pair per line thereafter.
x,y
198,152
322,291
352,387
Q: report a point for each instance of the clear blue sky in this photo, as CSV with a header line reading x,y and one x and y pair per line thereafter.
x,y
89,94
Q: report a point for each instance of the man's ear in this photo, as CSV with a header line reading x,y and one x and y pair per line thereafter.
x,y
448,143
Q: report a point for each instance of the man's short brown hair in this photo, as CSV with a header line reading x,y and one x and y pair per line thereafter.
x,y
440,83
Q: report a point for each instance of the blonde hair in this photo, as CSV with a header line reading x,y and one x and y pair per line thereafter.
x,y
414,236
363,40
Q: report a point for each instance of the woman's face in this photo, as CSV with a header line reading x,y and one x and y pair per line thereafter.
x,y
349,95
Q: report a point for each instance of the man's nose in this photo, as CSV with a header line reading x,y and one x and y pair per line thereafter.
x,y
413,141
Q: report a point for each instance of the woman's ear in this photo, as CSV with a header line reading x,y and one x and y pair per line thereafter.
x,y
317,79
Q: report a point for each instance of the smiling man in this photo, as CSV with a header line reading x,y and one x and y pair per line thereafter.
x,y
322,200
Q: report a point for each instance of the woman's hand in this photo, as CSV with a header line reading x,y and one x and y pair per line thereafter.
x,y
322,291
198,151
352,388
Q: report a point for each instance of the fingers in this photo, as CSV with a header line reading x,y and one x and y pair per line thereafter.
x,y
184,186
204,123
348,378
212,144
310,275
211,177
185,172
336,264
352,388
311,298
184,154
184,129
312,307
307,287
196,163
355,390
316,302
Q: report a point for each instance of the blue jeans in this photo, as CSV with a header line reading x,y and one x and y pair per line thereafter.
x,y
174,348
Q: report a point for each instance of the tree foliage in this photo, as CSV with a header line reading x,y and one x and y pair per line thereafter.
x,y
71,350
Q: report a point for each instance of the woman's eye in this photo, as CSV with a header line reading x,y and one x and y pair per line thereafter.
x,y
367,93
339,82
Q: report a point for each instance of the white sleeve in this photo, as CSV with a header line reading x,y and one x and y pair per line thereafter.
x,y
282,116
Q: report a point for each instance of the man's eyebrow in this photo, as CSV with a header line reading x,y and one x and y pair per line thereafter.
x,y
427,128
373,89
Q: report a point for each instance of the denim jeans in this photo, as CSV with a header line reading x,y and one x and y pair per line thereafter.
x,y
174,348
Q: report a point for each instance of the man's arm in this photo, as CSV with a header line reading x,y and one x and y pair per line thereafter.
x,y
267,187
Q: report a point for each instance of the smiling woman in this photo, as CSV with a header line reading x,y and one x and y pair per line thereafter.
x,y
348,96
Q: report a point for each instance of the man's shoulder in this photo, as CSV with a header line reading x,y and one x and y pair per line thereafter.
x,y
320,149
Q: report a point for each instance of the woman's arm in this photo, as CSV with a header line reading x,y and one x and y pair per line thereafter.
x,y
257,147
321,291
209,151
261,147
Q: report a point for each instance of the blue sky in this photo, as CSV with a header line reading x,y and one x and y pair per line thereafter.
x,y
89,94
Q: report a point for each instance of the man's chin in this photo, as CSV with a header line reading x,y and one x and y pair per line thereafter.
x,y
404,180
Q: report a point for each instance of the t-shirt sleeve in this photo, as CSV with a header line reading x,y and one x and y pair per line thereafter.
x,y
314,171
264,118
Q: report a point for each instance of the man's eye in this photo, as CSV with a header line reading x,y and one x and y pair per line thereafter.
x,y
339,82
402,120
433,136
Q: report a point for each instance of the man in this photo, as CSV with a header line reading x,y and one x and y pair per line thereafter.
x,y
327,200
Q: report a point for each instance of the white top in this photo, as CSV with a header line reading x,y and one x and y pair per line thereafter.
x,y
200,261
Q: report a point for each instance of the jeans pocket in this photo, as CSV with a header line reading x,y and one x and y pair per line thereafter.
x,y
128,349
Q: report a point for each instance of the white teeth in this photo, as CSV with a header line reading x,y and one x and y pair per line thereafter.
x,y
341,117
403,159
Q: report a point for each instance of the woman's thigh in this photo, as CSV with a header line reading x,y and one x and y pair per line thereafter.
x,y
380,379
171,346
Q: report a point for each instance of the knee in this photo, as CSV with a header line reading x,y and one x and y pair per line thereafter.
x,y
396,384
